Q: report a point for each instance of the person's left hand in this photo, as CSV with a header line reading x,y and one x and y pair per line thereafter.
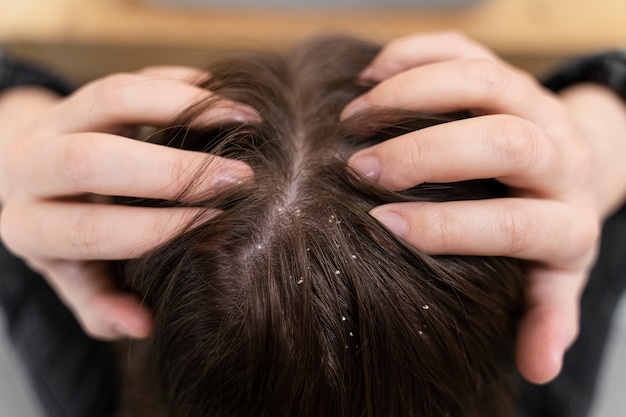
x,y
523,137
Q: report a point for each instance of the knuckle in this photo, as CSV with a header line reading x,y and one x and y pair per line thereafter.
x,y
85,239
76,162
110,93
440,234
519,142
518,229
178,175
412,155
491,78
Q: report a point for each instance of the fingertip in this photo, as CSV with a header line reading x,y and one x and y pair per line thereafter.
x,y
244,114
137,326
393,220
541,370
226,110
540,347
121,330
126,316
355,106
232,174
366,164
371,74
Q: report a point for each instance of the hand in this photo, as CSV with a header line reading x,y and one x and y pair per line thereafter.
x,y
523,136
57,154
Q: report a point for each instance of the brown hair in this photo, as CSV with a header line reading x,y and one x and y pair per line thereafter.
x,y
294,301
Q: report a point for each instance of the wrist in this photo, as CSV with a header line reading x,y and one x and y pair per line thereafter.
x,y
600,116
20,110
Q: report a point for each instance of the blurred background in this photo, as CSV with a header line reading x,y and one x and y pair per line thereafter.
x,y
84,39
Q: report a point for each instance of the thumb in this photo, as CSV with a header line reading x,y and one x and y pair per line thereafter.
x,y
550,324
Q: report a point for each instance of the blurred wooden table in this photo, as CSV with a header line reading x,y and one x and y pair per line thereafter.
x,y
87,38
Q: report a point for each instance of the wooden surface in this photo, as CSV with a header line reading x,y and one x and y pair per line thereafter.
x,y
105,28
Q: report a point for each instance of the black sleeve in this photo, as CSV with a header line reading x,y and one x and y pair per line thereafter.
x,y
71,374
14,73
608,69
572,393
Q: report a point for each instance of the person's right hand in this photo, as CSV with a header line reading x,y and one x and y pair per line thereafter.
x,y
56,154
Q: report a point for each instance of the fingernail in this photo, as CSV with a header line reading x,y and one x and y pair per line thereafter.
x,y
392,220
234,112
367,165
242,113
231,176
356,106
369,74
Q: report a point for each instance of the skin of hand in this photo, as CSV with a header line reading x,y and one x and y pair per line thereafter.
x,y
60,156
559,156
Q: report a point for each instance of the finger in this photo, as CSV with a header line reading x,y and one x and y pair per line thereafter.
x,y
128,99
476,85
187,74
550,324
103,310
110,165
81,231
522,228
424,48
507,148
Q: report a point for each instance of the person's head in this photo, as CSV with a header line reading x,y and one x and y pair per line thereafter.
x,y
293,300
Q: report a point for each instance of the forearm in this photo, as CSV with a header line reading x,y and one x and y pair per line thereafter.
x,y
601,117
